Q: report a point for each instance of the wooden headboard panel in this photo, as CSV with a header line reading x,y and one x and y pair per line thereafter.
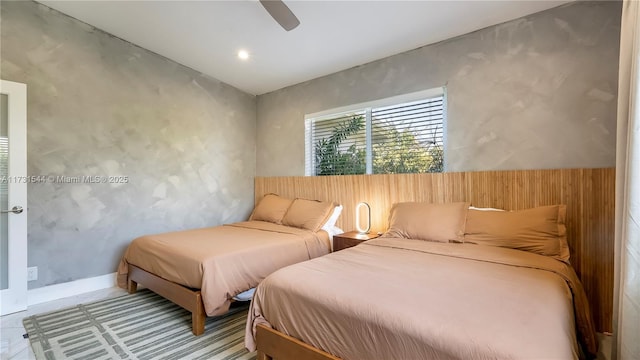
x,y
588,193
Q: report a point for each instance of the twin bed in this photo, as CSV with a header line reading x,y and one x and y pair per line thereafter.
x,y
444,282
202,270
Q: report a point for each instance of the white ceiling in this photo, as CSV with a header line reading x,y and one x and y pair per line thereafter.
x,y
332,36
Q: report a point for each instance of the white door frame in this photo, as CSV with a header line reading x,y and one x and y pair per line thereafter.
x,y
14,298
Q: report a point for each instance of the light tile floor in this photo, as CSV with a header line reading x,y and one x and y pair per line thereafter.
x,y
15,347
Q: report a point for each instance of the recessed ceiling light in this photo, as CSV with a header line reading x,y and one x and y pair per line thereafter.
x,y
243,55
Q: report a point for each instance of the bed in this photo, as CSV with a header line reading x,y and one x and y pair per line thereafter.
x,y
202,270
480,288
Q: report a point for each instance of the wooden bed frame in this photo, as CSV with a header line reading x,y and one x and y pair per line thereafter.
x,y
189,299
273,344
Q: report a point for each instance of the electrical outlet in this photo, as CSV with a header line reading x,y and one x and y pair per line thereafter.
x,y
32,273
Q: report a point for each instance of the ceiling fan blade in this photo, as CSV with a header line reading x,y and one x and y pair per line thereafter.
x,y
281,13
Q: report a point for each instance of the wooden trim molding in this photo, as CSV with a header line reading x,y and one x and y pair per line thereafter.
x,y
588,193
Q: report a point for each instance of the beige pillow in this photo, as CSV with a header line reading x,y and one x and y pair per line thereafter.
x,y
308,214
271,208
424,221
539,230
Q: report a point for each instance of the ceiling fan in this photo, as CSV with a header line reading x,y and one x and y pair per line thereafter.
x,y
281,13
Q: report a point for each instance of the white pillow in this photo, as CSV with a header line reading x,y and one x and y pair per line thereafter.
x,y
336,231
331,221
484,209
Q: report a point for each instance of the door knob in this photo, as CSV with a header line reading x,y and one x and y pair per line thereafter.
x,y
16,210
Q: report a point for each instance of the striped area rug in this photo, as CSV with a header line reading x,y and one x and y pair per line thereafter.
x,y
140,326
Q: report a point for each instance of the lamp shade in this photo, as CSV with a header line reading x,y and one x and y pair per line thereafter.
x,y
360,208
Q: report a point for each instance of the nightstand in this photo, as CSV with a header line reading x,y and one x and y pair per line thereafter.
x,y
349,239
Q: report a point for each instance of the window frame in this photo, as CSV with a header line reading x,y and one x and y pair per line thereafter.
x,y
367,107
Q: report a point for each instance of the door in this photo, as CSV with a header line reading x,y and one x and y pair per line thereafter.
x,y
13,197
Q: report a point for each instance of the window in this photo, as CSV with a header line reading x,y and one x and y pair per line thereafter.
x,y
403,134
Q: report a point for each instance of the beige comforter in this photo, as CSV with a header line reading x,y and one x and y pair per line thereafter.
x,y
410,299
222,261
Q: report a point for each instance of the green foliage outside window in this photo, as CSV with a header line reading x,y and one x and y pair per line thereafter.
x,y
394,152
330,160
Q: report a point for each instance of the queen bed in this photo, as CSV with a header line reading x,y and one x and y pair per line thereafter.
x,y
486,285
202,270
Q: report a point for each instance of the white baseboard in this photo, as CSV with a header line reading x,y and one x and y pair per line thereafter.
x,y
72,288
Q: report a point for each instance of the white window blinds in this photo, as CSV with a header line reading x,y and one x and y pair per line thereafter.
x,y
384,138
408,138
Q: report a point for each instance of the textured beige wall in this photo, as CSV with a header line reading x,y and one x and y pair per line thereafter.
x,y
100,106
536,92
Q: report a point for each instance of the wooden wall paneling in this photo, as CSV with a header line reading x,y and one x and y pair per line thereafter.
x,y
588,194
